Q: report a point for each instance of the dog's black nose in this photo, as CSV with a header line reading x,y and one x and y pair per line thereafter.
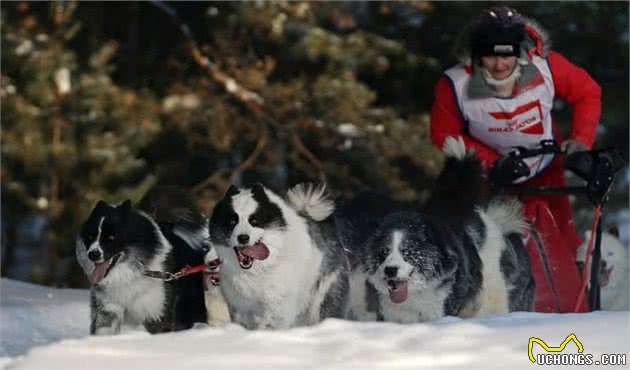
x,y
94,255
243,239
391,271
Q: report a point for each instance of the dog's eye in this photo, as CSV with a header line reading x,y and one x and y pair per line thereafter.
x,y
111,237
253,221
233,220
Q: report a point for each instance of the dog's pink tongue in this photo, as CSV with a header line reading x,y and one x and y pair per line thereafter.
x,y
399,294
257,251
99,272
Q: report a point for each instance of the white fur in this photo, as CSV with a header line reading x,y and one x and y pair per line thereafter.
x,y
614,295
277,292
211,255
395,258
311,201
82,252
358,309
244,205
216,307
96,245
502,217
420,306
454,147
319,295
493,297
193,240
82,256
119,313
507,214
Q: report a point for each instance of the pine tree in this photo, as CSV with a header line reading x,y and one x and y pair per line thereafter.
x,y
318,117
70,135
203,95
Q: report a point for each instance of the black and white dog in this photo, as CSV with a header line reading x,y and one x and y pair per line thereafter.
x,y
283,265
454,258
116,247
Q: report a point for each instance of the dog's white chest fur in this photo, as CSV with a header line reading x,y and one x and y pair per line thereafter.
x,y
276,292
423,306
142,298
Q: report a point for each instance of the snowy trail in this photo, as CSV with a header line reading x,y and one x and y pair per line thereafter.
x,y
493,342
33,315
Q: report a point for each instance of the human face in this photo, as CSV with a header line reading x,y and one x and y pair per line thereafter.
x,y
499,67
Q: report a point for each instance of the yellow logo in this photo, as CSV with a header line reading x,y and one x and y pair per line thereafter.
x,y
560,348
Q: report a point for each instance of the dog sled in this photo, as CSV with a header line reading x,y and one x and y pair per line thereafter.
x,y
597,169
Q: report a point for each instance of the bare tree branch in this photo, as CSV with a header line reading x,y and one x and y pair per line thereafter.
x,y
310,157
261,143
252,100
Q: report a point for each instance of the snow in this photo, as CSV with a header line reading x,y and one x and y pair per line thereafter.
x,y
32,315
48,328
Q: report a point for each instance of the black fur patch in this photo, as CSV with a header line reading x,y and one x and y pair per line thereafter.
x,y
120,227
190,305
223,220
459,188
267,214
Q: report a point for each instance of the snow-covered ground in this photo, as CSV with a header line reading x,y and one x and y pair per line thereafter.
x,y
43,328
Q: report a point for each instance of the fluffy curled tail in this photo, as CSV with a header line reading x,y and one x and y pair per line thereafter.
x,y
311,200
456,149
507,214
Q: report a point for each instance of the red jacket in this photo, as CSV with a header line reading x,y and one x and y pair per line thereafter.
x,y
572,84
555,273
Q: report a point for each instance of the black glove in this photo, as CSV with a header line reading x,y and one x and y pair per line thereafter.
x,y
507,169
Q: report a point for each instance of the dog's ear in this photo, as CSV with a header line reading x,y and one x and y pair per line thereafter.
x,y
258,188
613,230
100,205
232,190
125,207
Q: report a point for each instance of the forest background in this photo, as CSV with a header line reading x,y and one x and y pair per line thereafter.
x,y
103,100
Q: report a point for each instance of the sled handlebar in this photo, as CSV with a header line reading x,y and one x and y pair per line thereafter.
x,y
546,147
597,167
